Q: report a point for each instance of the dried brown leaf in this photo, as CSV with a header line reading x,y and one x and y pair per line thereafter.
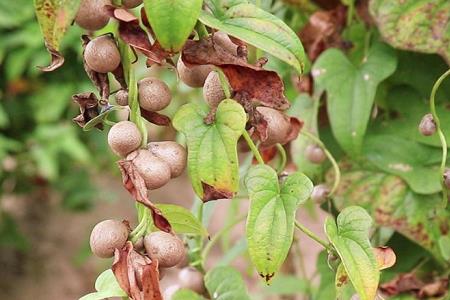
x,y
385,257
211,193
89,108
155,118
57,59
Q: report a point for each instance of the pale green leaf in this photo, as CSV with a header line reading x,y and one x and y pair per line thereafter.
x,y
350,237
182,220
260,29
185,294
270,222
106,286
212,154
225,283
444,246
351,90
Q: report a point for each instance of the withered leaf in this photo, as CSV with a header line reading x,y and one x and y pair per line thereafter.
x,y
136,274
385,257
155,118
409,283
89,108
135,185
57,59
248,82
100,80
211,193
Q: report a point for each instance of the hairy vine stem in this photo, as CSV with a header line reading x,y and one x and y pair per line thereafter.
x,y
434,90
337,171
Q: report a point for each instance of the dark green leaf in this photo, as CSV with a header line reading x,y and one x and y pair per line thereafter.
x,y
351,91
270,222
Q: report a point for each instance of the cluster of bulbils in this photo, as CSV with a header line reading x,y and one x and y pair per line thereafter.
x,y
427,127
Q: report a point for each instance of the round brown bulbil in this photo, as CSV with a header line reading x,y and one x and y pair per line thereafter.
x,y
278,125
122,97
192,279
131,3
124,137
107,236
154,94
320,193
427,125
447,178
225,42
193,76
166,248
212,89
154,170
102,55
92,15
315,154
172,153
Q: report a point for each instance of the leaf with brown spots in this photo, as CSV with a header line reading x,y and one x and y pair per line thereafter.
x,y
385,257
248,82
89,109
135,185
54,17
136,274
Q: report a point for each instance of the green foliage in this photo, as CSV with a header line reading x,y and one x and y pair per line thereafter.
x,y
351,91
270,222
172,21
226,283
212,154
350,237
182,220
258,28
106,286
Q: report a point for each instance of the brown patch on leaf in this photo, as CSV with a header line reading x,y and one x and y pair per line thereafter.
x,y
136,274
323,31
385,257
135,185
211,193
100,80
267,277
155,118
248,82
89,108
57,59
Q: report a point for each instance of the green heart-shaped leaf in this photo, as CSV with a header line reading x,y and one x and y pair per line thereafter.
x,y
351,91
259,28
270,222
172,21
185,294
350,237
414,25
212,155
225,283
106,286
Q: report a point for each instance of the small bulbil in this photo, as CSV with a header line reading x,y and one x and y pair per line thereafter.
x,y
122,97
225,42
193,76
172,153
124,137
154,170
427,125
315,154
166,248
154,94
447,178
131,3
107,236
320,193
92,14
102,55
278,125
192,279
212,89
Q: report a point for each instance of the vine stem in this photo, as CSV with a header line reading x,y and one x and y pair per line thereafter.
x,y
434,90
253,147
283,158
330,157
313,236
219,234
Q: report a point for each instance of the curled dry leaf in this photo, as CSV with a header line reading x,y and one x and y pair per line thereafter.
x,y
155,117
248,82
135,185
57,60
89,109
136,274
409,283
323,31
385,257
100,80
131,33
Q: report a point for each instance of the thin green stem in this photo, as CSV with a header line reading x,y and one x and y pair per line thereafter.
x,y
224,83
283,158
436,86
350,13
219,234
201,30
313,236
337,171
253,147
